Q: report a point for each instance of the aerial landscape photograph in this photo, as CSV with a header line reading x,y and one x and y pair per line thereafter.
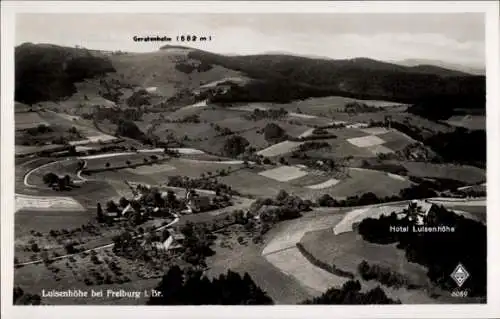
x,y
250,159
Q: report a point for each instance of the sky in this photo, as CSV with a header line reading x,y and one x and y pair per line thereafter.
x,y
457,38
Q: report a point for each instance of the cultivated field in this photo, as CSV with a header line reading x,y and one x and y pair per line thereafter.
x,y
280,149
246,257
28,120
360,181
25,202
293,263
346,251
366,141
43,221
284,173
471,122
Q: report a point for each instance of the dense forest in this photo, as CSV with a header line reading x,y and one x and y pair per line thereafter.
x,y
440,252
48,72
286,77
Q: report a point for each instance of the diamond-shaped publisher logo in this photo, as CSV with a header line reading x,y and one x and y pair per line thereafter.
x,y
460,275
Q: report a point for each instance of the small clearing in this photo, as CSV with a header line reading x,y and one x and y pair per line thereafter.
x,y
26,202
284,173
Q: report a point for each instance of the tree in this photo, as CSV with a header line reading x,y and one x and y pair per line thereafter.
x,y
123,202
273,132
235,145
326,201
100,215
67,180
18,292
50,178
35,248
171,199
111,206
282,195
192,288
70,248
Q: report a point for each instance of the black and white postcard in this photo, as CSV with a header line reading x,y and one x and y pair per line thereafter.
x,y
330,156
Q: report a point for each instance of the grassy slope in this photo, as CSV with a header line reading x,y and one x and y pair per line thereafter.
x,y
157,69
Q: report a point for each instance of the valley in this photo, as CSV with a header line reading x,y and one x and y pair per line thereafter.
x,y
185,163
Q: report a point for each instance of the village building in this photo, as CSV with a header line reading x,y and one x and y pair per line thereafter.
x,y
174,242
425,210
196,203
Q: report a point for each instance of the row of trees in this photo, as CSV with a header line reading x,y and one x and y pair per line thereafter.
x,y
201,183
273,114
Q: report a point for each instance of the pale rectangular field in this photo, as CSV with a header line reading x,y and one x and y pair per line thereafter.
x,y
366,141
293,263
284,173
280,149
24,202
375,130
